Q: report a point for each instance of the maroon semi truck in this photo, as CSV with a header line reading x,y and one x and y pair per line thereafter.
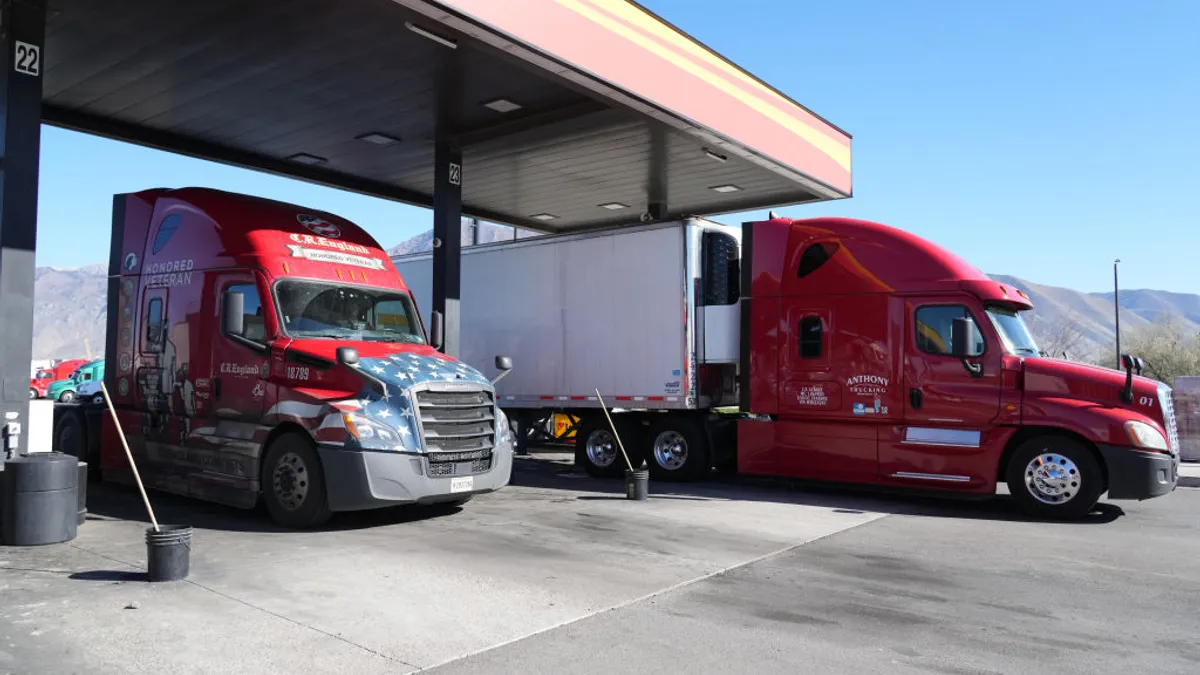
x,y
855,351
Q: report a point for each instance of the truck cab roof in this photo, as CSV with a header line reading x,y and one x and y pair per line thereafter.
x,y
861,256
166,233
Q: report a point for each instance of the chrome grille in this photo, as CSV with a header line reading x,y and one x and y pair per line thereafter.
x,y
458,428
1168,407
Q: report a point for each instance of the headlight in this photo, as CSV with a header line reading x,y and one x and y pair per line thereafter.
x,y
370,434
504,431
1145,436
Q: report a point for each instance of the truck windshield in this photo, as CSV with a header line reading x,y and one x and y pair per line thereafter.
x,y
314,309
1013,332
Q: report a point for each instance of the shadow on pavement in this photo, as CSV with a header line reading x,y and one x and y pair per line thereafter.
x,y
552,472
541,471
113,576
120,502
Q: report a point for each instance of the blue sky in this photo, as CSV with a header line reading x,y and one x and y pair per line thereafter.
x,y
1040,139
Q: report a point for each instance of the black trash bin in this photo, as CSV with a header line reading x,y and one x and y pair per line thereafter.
x,y
81,482
40,499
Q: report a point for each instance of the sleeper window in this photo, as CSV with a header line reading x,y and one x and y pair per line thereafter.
x,y
154,325
814,257
812,337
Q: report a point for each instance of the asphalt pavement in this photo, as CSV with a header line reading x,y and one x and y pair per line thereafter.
x,y
968,590
558,574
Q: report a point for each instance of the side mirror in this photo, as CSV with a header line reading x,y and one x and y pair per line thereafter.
x,y
233,313
347,356
1130,363
964,335
504,365
435,330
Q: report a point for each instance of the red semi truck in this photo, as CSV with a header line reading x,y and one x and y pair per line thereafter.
x,y
856,352
40,383
262,351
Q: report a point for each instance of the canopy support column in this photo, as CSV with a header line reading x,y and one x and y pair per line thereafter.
x,y
447,242
22,35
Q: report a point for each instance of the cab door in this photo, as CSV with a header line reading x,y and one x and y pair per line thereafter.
x,y
236,394
950,403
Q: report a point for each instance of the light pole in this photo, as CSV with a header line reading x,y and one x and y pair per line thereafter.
x,y
1117,310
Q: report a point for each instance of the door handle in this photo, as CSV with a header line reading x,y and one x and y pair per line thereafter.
x,y
914,398
216,387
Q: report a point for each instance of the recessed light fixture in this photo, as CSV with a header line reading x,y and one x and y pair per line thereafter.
x,y
502,105
443,41
614,206
543,216
716,156
725,188
376,138
305,158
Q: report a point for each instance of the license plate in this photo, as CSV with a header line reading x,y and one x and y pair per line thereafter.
x,y
464,484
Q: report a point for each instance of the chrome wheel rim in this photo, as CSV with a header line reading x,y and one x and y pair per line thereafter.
x,y
670,450
1053,479
290,481
601,448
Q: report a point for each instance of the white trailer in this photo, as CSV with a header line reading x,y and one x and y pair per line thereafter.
x,y
647,314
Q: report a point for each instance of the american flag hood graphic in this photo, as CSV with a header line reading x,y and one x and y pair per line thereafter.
x,y
388,419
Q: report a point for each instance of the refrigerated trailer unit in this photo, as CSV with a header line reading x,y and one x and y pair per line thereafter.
x,y
848,351
625,311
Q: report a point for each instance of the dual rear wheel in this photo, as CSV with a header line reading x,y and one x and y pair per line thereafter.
x,y
673,448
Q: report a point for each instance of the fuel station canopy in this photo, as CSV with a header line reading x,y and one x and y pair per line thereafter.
x,y
550,115
567,113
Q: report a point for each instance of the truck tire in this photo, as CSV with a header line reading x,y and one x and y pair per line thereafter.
x,y
33,394
677,450
66,397
1054,477
70,437
293,483
597,451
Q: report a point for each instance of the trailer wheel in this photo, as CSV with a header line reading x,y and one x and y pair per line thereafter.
x,y
293,483
597,450
1054,477
67,396
677,450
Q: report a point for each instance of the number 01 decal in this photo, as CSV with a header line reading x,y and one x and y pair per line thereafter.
x,y
27,58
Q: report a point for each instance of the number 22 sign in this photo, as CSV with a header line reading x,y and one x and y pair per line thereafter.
x,y
27,58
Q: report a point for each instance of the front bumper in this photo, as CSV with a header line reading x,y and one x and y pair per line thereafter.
x,y
1139,474
357,480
